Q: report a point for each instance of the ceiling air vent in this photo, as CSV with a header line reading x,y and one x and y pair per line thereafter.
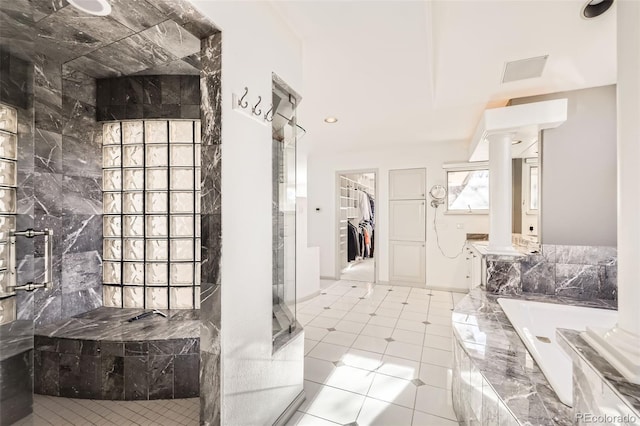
x,y
524,68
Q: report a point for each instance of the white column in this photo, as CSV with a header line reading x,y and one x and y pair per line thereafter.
x,y
621,345
500,194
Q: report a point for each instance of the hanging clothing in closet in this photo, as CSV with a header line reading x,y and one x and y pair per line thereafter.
x,y
362,240
367,232
372,206
360,232
369,224
353,242
364,207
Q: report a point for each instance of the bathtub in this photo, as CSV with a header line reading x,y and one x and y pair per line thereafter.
x,y
536,325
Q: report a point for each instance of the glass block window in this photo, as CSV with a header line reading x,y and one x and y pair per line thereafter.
x,y
8,183
151,222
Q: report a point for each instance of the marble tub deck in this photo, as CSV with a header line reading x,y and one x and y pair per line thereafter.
x,y
512,388
600,388
99,355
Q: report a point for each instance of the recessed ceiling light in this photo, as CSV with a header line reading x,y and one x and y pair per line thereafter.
x,y
330,120
595,8
92,7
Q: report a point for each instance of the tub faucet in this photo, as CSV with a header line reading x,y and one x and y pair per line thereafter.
x,y
146,314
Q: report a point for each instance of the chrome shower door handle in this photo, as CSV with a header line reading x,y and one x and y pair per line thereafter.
x,y
48,259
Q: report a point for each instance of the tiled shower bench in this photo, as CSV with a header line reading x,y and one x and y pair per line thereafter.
x,y
16,363
99,355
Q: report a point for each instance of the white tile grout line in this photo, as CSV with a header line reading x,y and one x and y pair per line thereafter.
x,y
339,292
83,412
405,296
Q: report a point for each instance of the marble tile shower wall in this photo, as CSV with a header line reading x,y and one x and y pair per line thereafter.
x,y
16,90
60,189
581,272
148,96
151,31
211,217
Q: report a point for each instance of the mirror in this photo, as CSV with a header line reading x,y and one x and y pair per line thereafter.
x,y
526,192
438,194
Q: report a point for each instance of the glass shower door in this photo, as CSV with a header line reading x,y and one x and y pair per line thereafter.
x,y
284,211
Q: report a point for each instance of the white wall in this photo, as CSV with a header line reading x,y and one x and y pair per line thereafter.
x,y
579,201
256,385
307,261
322,168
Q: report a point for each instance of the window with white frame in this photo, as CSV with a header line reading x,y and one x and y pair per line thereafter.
x,y
533,188
151,190
468,190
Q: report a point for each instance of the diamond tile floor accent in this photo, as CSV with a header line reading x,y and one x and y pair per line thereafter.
x,y
368,377
360,379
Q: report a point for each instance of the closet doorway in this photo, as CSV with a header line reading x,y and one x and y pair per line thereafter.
x,y
356,233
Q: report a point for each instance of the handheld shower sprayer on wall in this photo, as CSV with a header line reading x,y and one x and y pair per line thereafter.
x,y
438,194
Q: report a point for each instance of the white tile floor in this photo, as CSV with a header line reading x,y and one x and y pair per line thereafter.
x,y
49,410
362,270
377,355
374,355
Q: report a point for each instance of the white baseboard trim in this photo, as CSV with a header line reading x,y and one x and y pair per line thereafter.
x,y
329,278
309,296
426,287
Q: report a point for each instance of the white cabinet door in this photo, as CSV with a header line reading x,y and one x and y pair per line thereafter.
x,y
407,220
407,184
407,260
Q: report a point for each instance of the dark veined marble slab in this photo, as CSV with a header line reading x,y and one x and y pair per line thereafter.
x,y
581,352
111,324
493,346
16,338
100,355
16,365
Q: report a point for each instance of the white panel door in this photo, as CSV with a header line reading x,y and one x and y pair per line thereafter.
x,y
407,226
407,261
407,220
407,184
